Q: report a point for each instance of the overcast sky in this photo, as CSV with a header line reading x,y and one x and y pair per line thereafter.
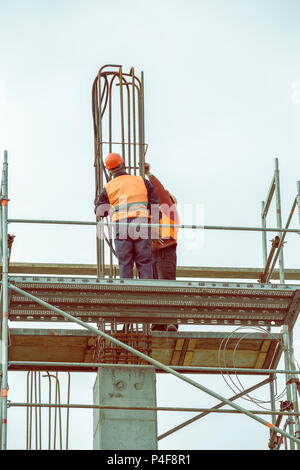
x,y
222,100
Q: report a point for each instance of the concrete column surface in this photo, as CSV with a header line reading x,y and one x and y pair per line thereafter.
x,y
125,429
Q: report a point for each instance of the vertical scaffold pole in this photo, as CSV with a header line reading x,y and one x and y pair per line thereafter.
x,y
264,234
278,217
294,384
298,199
1,365
265,258
288,377
4,343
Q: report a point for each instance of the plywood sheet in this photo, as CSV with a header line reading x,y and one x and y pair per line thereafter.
x,y
182,349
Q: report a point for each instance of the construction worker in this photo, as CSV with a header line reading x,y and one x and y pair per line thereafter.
x,y
128,198
165,248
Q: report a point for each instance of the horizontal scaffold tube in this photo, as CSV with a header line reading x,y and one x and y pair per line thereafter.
x,y
132,224
182,368
148,408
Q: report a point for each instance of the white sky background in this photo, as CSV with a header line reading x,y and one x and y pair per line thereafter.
x,y
222,100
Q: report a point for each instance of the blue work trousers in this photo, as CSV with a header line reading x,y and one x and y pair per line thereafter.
x,y
138,251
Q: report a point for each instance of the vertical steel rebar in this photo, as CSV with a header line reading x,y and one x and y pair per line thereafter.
x,y
68,411
49,416
99,173
27,413
129,126
57,401
55,418
30,411
133,119
122,112
278,217
4,344
142,139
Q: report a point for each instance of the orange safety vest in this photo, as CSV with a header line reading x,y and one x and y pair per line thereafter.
x,y
168,232
128,196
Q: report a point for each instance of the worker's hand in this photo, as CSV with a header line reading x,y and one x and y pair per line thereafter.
x,y
147,168
157,242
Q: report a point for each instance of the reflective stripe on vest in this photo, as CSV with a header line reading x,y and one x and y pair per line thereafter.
x,y
128,197
168,232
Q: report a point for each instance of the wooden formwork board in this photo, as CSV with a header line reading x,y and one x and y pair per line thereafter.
x,y
252,350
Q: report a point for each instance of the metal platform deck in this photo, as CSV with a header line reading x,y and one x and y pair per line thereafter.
x,y
150,301
188,350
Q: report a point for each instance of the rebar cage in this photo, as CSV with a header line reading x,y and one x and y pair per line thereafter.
x,y
118,118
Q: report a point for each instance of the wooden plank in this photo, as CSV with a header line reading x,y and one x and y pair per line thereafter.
x,y
176,352
273,355
211,358
262,354
190,351
89,350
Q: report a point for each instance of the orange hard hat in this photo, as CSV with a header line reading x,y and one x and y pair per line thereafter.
x,y
113,160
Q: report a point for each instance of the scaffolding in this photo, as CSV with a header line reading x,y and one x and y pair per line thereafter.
x,y
137,303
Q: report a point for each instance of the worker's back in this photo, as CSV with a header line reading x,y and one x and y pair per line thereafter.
x,y
128,197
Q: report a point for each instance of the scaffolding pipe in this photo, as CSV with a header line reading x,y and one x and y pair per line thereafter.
x,y
216,407
4,344
288,377
298,199
154,362
264,234
148,408
282,240
96,365
269,197
275,245
294,391
278,217
132,224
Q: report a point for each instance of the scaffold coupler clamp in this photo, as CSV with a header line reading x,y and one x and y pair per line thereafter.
x,y
286,406
296,381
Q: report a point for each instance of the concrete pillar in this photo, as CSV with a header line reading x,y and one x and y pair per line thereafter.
x,y
125,429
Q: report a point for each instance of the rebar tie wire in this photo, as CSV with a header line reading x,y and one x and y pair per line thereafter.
x,y
246,397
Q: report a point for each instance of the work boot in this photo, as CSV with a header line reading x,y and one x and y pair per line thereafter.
x,y
158,328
